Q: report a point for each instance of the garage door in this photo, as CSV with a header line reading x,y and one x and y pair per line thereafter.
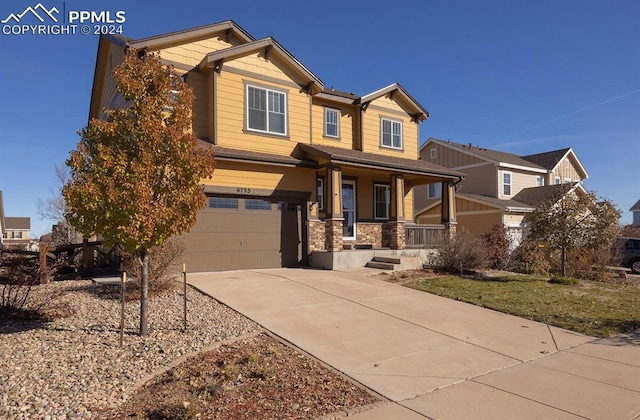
x,y
240,233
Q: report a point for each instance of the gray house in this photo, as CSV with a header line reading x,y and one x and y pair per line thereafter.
x,y
635,210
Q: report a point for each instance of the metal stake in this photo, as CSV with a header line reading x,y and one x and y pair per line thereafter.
x,y
123,289
184,293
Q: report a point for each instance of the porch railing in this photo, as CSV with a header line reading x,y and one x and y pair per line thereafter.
x,y
423,236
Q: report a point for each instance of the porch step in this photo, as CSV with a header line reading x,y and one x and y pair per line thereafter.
x,y
384,263
380,265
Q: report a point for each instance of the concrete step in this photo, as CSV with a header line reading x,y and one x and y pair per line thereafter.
x,y
380,265
390,260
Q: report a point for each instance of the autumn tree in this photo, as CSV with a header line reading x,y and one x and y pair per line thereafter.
x,y
135,175
573,219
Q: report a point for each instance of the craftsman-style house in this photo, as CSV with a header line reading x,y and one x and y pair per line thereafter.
x,y
498,187
304,173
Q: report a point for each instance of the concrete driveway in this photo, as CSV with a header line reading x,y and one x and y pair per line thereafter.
x,y
434,357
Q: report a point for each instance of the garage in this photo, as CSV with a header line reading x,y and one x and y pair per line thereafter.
x,y
245,232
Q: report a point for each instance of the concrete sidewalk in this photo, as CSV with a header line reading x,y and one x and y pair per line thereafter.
x,y
435,357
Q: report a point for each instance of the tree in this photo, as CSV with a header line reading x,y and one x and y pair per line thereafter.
x,y
135,175
497,246
575,219
54,208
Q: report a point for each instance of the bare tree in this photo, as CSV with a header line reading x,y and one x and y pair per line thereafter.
x,y
54,207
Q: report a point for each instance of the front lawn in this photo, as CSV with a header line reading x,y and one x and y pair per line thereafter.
x,y
592,308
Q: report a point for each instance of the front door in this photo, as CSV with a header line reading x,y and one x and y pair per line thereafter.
x,y
349,210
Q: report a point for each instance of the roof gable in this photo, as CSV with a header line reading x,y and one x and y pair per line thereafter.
x,y
216,59
551,160
635,207
18,223
535,196
399,94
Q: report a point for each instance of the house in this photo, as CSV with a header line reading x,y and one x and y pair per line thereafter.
x,y
498,187
17,231
3,226
635,210
304,173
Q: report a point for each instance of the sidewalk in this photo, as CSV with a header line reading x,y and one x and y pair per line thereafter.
x,y
436,357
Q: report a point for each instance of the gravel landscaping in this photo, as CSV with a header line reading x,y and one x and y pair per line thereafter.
x,y
73,366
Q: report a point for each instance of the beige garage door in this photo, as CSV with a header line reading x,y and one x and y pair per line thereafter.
x,y
241,233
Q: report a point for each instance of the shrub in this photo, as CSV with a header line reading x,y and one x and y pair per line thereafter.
x,y
567,281
20,274
164,264
529,258
460,252
496,242
590,264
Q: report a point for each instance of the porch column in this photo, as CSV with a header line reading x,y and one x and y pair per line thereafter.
x,y
335,217
395,227
448,208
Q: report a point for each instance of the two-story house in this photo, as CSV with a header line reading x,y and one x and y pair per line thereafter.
x,y
17,231
303,172
3,230
498,187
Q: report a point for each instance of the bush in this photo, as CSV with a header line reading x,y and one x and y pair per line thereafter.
x,y
529,258
589,264
567,281
460,252
165,262
496,242
19,274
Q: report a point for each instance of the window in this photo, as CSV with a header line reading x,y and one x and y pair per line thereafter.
x,y
567,180
266,110
331,123
539,181
257,204
506,183
223,203
557,180
16,235
434,190
433,153
391,133
320,193
381,198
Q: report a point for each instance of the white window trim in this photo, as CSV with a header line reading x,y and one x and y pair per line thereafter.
x,y
320,198
391,146
510,184
326,122
286,110
567,180
433,153
557,180
387,201
355,209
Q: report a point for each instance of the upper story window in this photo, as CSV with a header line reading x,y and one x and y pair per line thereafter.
x,y
391,133
433,153
382,199
539,181
567,180
16,235
434,190
331,122
320,193
557,180
506,183
266,110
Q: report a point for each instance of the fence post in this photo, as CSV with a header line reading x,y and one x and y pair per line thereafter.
x,y
123,288
184,293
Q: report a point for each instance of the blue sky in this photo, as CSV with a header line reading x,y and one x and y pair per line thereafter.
x,y
519,76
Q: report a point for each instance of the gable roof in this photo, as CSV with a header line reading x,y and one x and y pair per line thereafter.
x,y
502,205
18,223
508,160
535,196
270,46
419,113
635,207
551,160
3,227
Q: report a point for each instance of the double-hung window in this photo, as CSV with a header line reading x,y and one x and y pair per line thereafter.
x,y
539,181
506,183
382,199
266,110
391,133
434,190
331,123
320,193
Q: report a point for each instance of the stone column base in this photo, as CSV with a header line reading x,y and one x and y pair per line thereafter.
x,y
333,230
394,234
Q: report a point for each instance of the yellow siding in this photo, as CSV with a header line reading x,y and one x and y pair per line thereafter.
x,y
111,98
256,63
372,134
476,224
230,117
191,54
463,205
245,175
408,205
348,117
520,180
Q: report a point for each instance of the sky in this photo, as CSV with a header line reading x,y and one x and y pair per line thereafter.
x,y
519,76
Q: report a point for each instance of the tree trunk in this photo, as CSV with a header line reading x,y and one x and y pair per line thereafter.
x,y
144,291
563,258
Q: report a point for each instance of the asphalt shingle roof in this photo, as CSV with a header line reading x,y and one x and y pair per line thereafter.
x,y
547,160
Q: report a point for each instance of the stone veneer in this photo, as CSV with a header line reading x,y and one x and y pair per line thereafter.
x,y
394,235
317,236
333,230
369,234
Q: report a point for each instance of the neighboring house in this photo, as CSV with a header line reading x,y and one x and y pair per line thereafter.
x,y
17,231
635,210
303,171
498,187
3,230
